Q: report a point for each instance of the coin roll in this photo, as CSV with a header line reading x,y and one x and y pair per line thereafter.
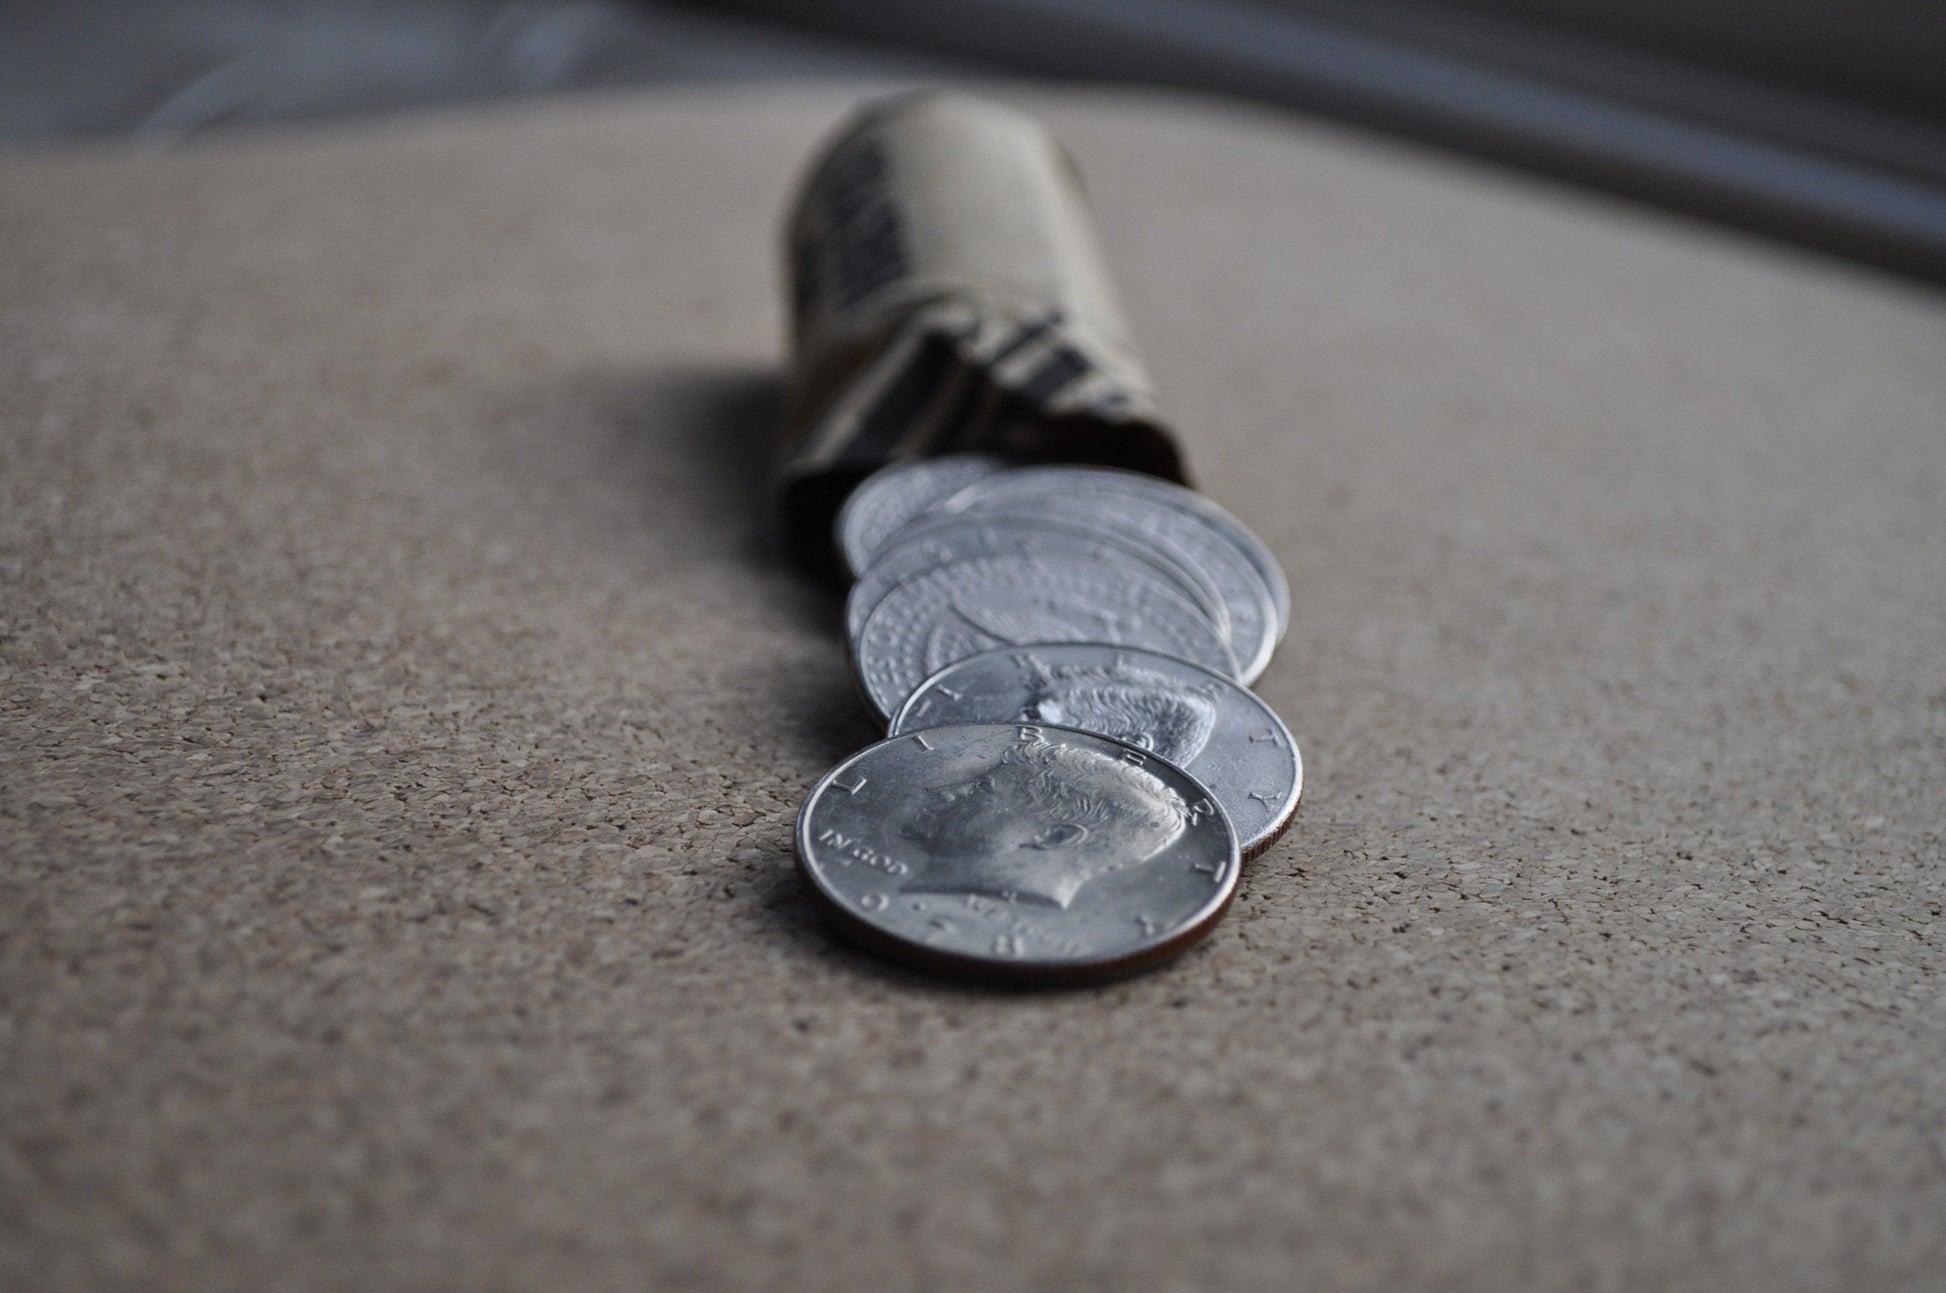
x,y
949,293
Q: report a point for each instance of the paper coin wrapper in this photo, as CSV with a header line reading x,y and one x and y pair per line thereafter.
x,y
948,294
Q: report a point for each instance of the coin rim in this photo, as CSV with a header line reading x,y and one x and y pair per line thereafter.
x,y
1278,826
883,715
1252,546
1176,569
856,563
1225,525
1028,974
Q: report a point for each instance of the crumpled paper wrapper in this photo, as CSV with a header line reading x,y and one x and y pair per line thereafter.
x,y
949,294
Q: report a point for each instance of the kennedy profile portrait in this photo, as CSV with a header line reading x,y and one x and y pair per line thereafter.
x,y
1040,822
1125,701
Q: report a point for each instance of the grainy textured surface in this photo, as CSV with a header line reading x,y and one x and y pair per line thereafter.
x,y
404,712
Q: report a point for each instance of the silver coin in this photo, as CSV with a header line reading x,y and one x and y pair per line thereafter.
x,y
924,544
893,495
1017,852
1204,723
1253,584
1009,599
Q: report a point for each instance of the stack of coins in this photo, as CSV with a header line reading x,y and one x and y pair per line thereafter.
x,y
1075,768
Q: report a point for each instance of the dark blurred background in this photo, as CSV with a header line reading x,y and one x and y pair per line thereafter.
x,y
1816,122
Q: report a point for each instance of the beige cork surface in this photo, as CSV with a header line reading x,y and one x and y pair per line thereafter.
x,y
405,708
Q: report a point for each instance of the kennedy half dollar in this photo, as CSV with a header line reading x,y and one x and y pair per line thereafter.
x,y
1202,722
1017,852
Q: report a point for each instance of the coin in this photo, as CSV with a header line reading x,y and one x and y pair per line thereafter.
x,y
893,495
1249,616
1017,852
1009,599
1200,721
922,545
1252,583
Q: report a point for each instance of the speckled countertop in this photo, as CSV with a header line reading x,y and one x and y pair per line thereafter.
x,y
405,705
